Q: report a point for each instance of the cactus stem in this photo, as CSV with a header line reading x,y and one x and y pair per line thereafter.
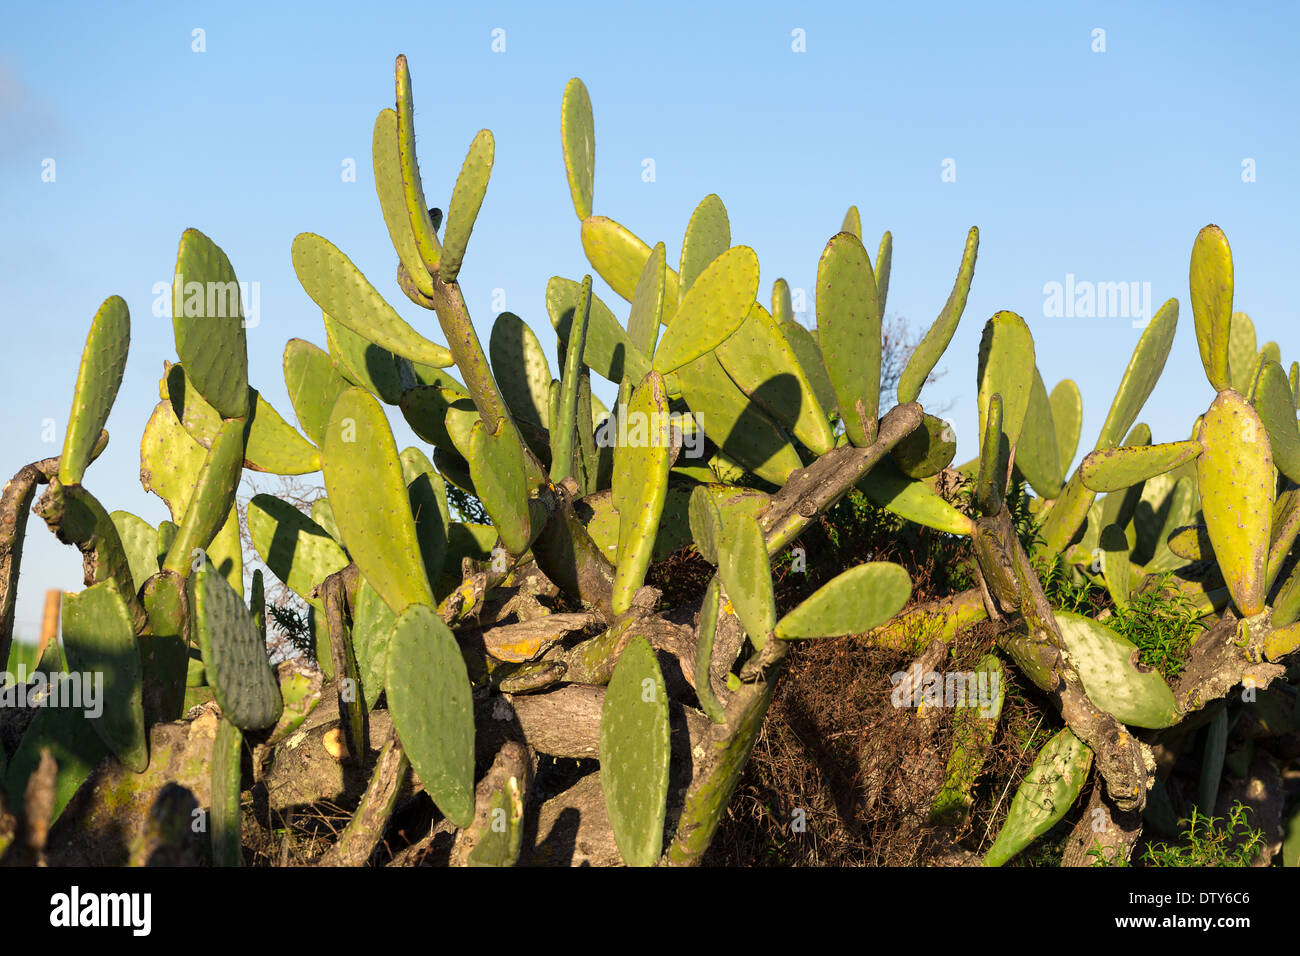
x,y
810,491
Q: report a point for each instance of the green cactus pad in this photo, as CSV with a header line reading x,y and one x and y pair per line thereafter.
x,y
712,309
931,348
1045,796
1067,418
454,468
578,134
805,348
164,648
466,200
257,603
99,639
234,653
520,368
912,499
601,519
314,383
884,259
166,535
1037,453
343,293
928,450
744,433
1210,277
1119,507
640,486
706,523
990,481
213,498
1215,749
1268,352
634,753
1116,567
363,479
1235,475
416,463
297,550
208,320
227,838
1114,469
503,839
1105,662
853,602
140,542
1285,528
386,157
496,463
1166,504
1006,367
430,699
1286,603
103,360
974,724
432,412
427,493
648,305
66,732
848,325
760,361
782,308
747,576
708,235
707,630
363,363
852,222
1281,642
417,209
619,257
273,444
1275,406
372,627
564,424
608,351
1242,352
322,512
1140,377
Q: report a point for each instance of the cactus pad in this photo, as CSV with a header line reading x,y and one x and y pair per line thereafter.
x,y
1235,475
99,639
208,320
234,653
433,711
363,478
339,288
853,602
103,360
634,753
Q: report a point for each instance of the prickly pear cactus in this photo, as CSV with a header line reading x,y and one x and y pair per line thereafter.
x,y
450,646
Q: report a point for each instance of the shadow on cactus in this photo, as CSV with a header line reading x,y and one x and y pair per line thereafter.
x,y
480,606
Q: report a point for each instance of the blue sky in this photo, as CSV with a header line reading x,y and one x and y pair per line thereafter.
x,y
1099,165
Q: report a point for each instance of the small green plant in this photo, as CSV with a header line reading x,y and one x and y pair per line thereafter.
x,y
1062,591
1211,841
1162,625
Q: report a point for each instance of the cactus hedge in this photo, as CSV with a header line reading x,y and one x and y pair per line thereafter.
x,y
453,656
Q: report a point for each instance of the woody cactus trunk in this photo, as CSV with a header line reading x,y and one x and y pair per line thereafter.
x,y
454,656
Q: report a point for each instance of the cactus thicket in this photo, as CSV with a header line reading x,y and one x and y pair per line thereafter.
x,y
462,652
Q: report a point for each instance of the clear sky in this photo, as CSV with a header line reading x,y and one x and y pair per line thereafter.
x,y
1073,161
